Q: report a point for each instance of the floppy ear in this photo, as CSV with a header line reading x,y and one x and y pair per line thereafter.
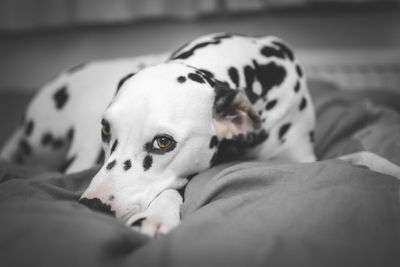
x,y
233,113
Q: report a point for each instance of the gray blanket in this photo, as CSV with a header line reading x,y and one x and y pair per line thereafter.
x,y
327,213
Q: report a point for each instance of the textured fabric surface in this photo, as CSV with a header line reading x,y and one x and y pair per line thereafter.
x,y
240,214
243,214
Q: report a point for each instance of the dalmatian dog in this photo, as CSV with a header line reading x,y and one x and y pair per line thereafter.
x,y
166,118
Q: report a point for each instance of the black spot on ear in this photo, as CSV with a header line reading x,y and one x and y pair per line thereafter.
x,y
123,80
96,204
195,77
76,68
181,79
127,164
234,76
60,97
25,147
297,87
65,165
299,71
214,141
312,138
29,128
283,130
138,222
100,157
114,146
271,104
111,165
147,162
303,104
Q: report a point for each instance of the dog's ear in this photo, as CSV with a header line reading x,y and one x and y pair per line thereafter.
x,y
233,113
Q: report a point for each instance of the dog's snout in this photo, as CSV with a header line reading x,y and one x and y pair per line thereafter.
x,y
97,204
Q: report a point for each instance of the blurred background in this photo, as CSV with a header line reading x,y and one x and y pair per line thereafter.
x,y
354,43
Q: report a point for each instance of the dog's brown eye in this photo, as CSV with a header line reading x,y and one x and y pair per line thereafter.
x,y
162,142
105,130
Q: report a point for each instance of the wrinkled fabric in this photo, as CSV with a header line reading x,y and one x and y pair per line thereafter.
x,y
327,213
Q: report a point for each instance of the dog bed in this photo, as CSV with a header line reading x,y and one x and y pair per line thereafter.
x,y
327,213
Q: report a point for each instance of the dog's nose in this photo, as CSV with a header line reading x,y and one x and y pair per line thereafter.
x,y
96,204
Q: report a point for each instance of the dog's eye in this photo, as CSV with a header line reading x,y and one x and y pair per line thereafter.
x,y
163,142
105,130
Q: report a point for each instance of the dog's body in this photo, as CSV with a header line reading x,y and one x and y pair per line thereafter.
x,y
219,94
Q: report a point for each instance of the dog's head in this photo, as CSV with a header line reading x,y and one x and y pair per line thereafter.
x,y
164,125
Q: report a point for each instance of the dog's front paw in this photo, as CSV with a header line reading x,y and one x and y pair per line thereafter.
x,y
151,226
161,216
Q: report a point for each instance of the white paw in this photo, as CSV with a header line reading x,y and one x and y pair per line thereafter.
x,y
152,226
161,216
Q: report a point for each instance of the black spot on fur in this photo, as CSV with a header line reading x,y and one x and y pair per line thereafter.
x,y
312,137
114,146
234,76
271,104
285,49
96,204
195,77
235,148
147,162
111,165
29,128
214,141
65,165
186,54
283,130
299,71
249,77
138,222
25,147
269,51
303,104
181,79
206,73
60,97
100,157
57,143
297,87
127,164
123,80
47,139
111,197
70,134
76,67
269,75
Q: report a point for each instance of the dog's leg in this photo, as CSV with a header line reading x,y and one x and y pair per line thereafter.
x,y
161,216
373,162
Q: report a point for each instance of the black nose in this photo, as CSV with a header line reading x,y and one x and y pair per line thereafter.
x,y
96,204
